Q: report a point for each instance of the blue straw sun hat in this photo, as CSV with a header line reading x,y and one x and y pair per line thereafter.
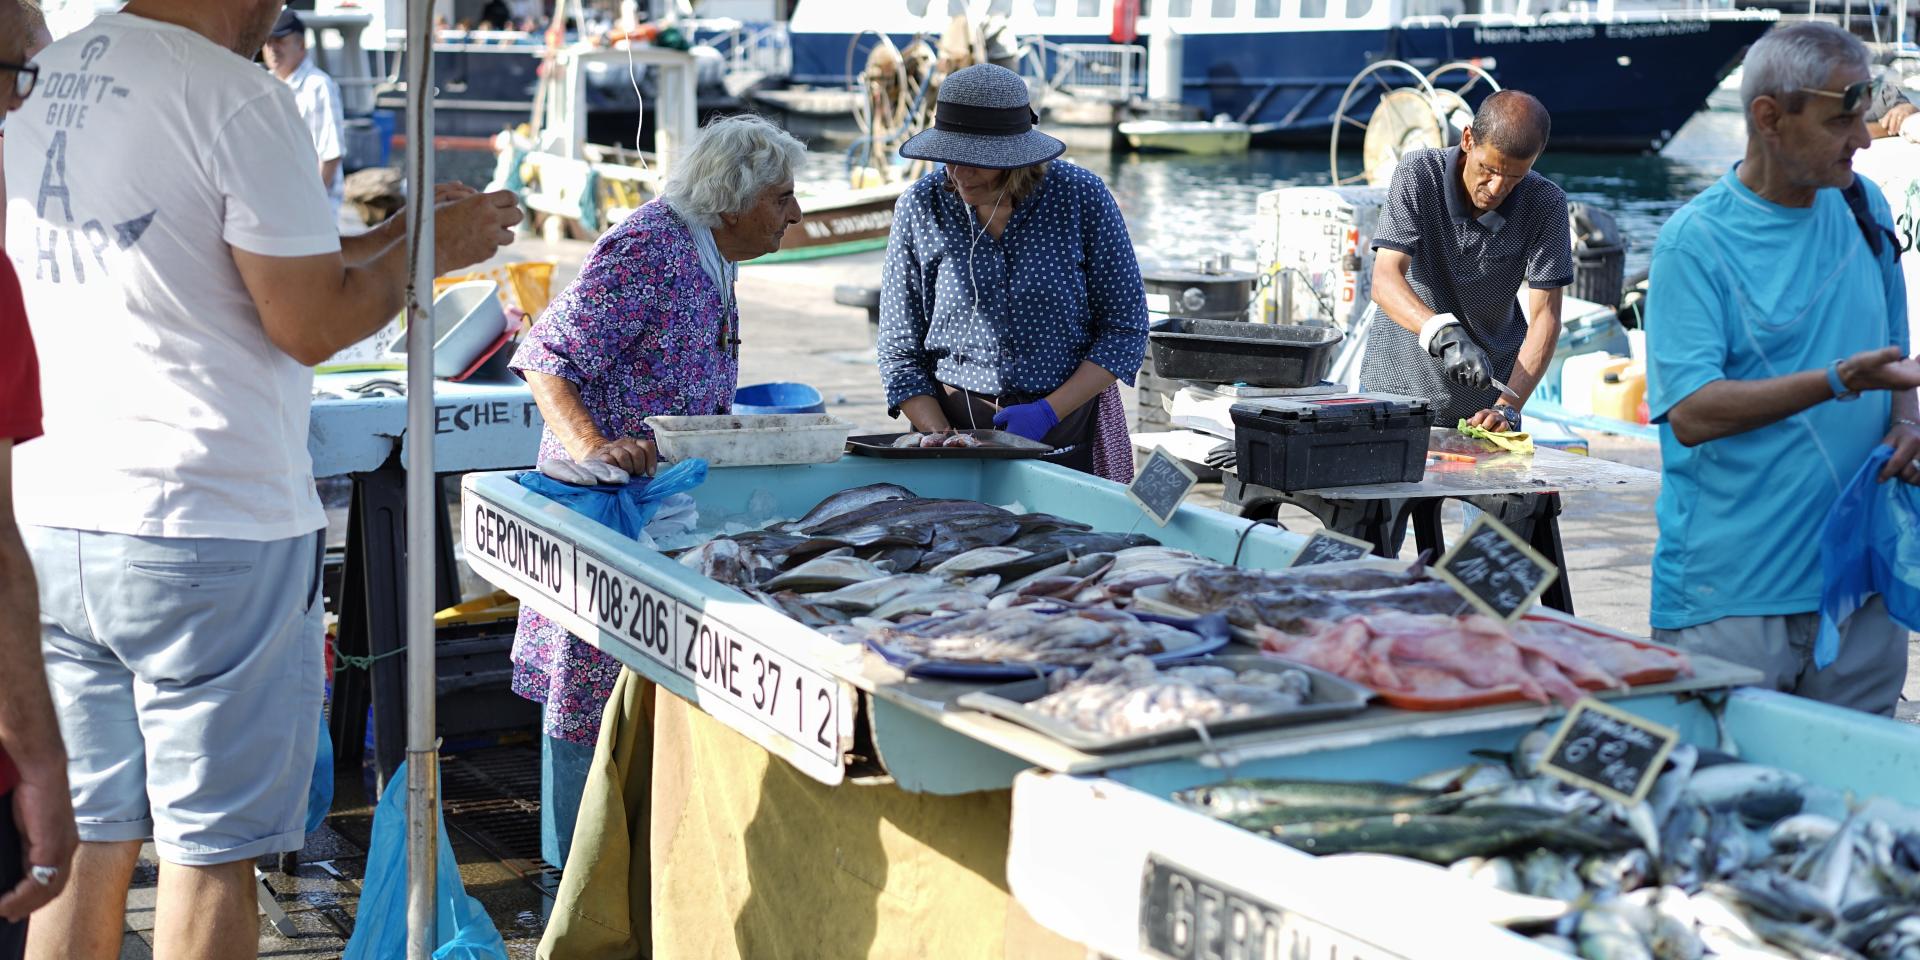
x,y
983,119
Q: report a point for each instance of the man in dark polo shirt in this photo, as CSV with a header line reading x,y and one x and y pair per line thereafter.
x,y
1463,228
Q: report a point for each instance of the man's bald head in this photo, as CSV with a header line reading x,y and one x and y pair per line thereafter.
x,y
1514,123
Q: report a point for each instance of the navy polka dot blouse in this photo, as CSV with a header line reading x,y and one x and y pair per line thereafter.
x,y
1011,317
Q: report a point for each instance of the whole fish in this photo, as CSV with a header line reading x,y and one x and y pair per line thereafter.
x,y
826,572
961,534
918,514
866,595
1739,785
894,557
1828,866
979,559
846,501
1801,831
1244,796
1440,839
948,598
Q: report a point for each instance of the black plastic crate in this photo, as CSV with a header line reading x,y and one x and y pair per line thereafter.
x,y
1233,351
1338,441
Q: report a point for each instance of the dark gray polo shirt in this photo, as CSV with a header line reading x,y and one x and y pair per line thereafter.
x,y
1469,266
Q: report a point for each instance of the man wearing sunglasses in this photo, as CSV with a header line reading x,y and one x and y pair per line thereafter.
x,y
182,270
1777,362
21,76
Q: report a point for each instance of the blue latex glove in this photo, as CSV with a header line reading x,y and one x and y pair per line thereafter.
x,y
1030,420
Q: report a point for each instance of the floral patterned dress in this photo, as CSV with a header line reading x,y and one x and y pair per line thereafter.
x,y
639,331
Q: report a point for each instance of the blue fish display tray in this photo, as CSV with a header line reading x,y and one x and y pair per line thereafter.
x,y
1211,633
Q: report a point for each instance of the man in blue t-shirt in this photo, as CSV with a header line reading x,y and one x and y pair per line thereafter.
x,y
1777,362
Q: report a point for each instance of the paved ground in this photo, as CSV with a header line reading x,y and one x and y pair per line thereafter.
x,y
792,330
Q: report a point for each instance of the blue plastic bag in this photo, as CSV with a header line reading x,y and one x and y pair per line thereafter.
x,y
627,508
320,787
1871,544
465,932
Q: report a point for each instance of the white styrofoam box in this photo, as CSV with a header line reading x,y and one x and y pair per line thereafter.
x,y
1322,237
731,440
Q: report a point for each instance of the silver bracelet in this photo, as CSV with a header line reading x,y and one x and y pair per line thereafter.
x,y
1905,422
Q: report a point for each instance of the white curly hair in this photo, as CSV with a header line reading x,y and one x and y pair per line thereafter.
x,y
731,162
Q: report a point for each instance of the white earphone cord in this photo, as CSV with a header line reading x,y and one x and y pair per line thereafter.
x,y
975,283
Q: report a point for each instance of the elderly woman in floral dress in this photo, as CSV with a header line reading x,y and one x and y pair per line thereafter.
x,y
648,328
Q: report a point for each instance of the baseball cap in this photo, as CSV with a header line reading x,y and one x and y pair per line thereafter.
x,y
287,25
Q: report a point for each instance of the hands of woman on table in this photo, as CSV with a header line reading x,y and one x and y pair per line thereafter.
x,y
924,413
632,454
1030,420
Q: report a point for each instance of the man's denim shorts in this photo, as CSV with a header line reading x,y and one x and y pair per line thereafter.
x,y
187,676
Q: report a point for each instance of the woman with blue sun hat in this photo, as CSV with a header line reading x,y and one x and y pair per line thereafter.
x,y
1010,297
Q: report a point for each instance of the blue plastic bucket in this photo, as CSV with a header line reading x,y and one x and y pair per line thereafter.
x,y
762,398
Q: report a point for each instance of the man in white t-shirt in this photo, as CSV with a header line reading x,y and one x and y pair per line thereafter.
x,y
181,272
317,96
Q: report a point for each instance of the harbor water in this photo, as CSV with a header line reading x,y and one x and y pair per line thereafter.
x,y
1185,208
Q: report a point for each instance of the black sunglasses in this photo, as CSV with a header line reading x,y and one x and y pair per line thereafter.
x,y
1851,97
25,76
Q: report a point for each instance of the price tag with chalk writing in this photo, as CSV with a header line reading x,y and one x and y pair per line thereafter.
x,y
1609,751
1495,570
1161,485
1325,546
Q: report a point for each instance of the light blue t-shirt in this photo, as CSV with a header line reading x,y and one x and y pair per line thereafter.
x,y
1745,289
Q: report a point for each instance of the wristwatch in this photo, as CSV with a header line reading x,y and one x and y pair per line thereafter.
x,y
1508,414
1839,386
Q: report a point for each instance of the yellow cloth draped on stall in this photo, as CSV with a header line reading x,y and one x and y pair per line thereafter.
x,y
749,857
752,858
602,909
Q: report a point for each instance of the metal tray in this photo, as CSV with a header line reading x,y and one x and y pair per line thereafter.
x,y
1006,446
1332,696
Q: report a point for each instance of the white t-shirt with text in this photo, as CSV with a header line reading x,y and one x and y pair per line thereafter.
x,y
144,153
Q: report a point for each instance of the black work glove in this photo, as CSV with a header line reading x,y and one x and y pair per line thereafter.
x,y
1462,359
1223,457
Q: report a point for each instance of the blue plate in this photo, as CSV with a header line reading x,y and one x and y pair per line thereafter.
x,y
1212,630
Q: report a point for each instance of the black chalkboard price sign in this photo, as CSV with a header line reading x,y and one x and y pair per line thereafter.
x,y
1325,546
1609,751
1495,570
1161,485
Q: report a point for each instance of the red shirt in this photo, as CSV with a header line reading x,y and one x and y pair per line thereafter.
x,y
19,401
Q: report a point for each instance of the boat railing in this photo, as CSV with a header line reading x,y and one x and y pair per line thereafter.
x,y
1112,71
760,48
1688,14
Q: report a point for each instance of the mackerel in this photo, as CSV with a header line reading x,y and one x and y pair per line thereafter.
x,y
1243,796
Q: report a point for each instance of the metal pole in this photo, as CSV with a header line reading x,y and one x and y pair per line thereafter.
x,y
423,494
